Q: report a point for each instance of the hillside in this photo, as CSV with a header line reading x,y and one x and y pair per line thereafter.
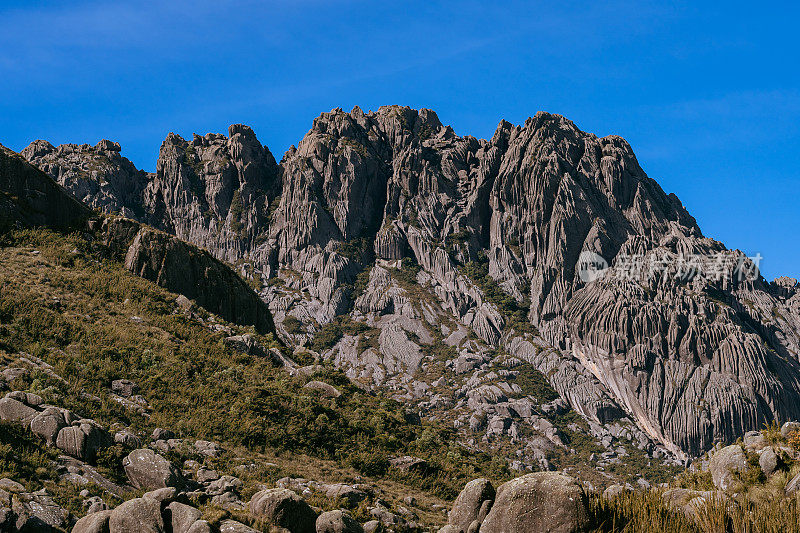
x,y
75,322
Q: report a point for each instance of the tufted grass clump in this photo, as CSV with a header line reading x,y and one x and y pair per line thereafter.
x,y
645,511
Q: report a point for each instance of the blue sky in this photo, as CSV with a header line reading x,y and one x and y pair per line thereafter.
x,y
708,96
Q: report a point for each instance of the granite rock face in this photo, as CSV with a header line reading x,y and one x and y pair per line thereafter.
x,y
96,175
29,198
214,191
442,247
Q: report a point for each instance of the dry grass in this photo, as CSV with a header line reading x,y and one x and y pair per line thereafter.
x,y
633,512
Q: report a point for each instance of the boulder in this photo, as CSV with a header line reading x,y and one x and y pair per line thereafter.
x,y
224,484
342,491
83,441
284,508
409,463
538,502
204,475
48,424
768,461
325,389
792,485
124,387
337,522
384,516
181,516
162,434
148,470
10,485
94,504
467,506
754,440
725,464
127,437
201,526
28,398
12,410
232,526
612,491
229,501
207,448
142,515
374,526
93,523
163,496
788,428
37,511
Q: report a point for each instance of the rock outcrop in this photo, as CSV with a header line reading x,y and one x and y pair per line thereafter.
x,y
185,269
148,470
725,464
29,198
283,508
78,437
214,191
96,175
538,502
472,504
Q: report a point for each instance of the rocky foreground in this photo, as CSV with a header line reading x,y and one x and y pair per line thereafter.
x,y
181,498
171,494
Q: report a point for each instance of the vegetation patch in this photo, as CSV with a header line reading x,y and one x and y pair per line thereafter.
x,y
533,383
514,312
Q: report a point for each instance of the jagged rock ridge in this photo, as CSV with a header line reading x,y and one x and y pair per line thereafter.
x,y
690,362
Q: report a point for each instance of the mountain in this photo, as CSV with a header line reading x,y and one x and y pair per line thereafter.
x,y
446,269
133,363
432,312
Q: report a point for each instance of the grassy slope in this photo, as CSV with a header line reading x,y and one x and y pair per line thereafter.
x,y
95,322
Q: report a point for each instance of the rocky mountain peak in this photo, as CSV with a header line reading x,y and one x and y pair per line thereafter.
x,y
423,238
97,175
107,146
214,190
36,149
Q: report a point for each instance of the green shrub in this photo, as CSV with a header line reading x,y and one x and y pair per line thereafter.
x,y
534,383
515,313
292,325
370,463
